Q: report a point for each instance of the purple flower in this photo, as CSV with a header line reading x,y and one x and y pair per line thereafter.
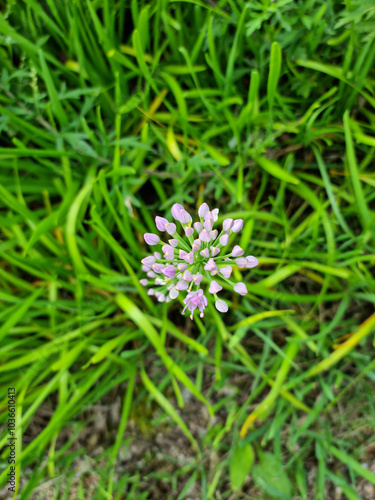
x,y
182,254
226,271
197,245
148,261
170,227
160,223
223,240
182,285
221,306
168,252
241,262
227,224
237,225
237,251
208,224
189,257
157,268
203,210
187,276
197,278
151,239
251,261
169,271
210,266
174,276
204,236
195,300
205,253
175,211
189,231
240,288
173,243
185,217
214,287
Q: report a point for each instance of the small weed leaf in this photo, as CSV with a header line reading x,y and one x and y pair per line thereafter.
x,y
240,464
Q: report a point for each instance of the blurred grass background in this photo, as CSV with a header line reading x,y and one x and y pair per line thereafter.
x,y
110,112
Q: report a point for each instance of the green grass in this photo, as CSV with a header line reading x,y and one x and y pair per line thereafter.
x,y
112,111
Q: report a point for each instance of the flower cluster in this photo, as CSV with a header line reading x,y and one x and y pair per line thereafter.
x,y
184,260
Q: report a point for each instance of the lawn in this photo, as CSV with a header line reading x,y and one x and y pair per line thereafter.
x,y
111,113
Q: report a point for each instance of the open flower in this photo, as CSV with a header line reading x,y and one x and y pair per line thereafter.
x,y
186,261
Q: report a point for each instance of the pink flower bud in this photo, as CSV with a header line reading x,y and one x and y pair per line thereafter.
x,y
204,236
208,224
214,287
145,268
203,209
237,251
168,252
223,240
173,293
185,217
161,297
226,271
173,242
182,285
209,216
169,271
189,231
151,239
221,306
181,267
227,224
175,211
197,278
241,262
214,251
160,223
210,266
148,261
170,227
205,253
198,226
240,288
157,268
182,254
143,282
150,291
213,234
251,261
189,257
157,255
151,274
197,245
187,276
237,225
